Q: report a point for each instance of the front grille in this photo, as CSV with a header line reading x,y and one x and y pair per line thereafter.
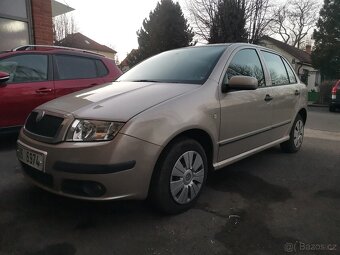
x,y
40,177
47,126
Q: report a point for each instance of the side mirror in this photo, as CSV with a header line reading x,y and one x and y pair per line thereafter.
x,y
4,77
240,82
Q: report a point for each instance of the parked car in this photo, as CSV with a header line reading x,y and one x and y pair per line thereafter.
x,y
335,97
162,125
34,74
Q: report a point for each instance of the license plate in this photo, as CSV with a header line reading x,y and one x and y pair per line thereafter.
x,y
31,157
333,96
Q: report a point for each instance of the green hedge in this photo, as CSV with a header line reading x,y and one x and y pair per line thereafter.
x,y
313,96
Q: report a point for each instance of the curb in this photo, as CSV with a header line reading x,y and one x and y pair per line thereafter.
x,y
319,134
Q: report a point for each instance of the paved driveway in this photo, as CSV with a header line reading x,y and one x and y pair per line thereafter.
x,y
270,203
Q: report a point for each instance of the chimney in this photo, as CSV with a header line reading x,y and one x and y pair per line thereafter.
x,y
308,48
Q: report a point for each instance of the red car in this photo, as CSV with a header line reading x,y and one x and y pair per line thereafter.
x,y
335,97
34,74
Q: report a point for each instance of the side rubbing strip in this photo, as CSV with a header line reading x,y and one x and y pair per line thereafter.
x,y
256,132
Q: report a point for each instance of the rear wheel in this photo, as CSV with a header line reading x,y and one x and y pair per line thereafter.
x,y
295,136
180,176
332,108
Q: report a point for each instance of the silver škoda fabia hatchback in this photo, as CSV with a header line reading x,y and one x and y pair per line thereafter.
x,y
161,126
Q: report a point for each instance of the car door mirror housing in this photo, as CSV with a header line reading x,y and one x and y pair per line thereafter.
x,y
240,82
4,77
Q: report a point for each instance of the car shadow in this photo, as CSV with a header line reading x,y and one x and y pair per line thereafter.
x,y
8,141
233,178
22,204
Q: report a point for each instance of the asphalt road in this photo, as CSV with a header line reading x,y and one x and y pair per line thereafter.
x,y
271,203
319,118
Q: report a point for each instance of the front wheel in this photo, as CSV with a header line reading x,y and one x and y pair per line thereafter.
x,y
295,136
180,176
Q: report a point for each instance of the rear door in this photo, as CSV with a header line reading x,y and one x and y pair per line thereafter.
x,y
108,70
245,114
30,85
73,73
285,92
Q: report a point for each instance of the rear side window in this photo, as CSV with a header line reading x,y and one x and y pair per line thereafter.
x,y
291,75
276,68
25,68
73,67
247,63
102,71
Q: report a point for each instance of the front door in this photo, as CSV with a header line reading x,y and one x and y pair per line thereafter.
x,y
245,114
28,87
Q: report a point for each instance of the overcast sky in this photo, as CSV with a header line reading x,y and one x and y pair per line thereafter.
x,y
112,22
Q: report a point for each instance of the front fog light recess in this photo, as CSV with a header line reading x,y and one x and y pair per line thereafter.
x,y
92,130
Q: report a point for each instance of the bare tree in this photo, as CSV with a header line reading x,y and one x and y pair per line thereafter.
x,y
294,20
202,14
258,19
64,25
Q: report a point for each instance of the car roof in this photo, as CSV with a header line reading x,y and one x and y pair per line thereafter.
x,y
50,49
236,45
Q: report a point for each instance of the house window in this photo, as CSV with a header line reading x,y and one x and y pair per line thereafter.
x,y
304,76
15,23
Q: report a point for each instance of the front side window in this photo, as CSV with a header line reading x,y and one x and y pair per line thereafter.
x,y
73,67
25,68
246,63
276,68
304,76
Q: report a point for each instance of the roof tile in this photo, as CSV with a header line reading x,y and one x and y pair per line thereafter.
x,y
301,55
80,41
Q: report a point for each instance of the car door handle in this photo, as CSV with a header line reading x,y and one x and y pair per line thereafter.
x,y
43,90
297,93
268,98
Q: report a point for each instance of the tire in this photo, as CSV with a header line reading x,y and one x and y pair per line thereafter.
x,y
295,136
177,184
332,108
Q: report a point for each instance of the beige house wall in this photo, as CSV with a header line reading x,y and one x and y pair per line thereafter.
x,y
106,54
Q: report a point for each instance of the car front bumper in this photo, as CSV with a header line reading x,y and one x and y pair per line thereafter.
x,y
117,169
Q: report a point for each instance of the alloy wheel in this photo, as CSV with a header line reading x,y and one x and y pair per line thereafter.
x,y
298,133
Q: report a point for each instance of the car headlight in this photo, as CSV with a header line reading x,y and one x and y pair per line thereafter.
x,y
92,130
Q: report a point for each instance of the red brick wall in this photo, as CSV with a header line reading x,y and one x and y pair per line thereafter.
x,y
42,21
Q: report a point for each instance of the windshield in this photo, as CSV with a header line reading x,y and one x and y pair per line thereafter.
x,y
186,65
